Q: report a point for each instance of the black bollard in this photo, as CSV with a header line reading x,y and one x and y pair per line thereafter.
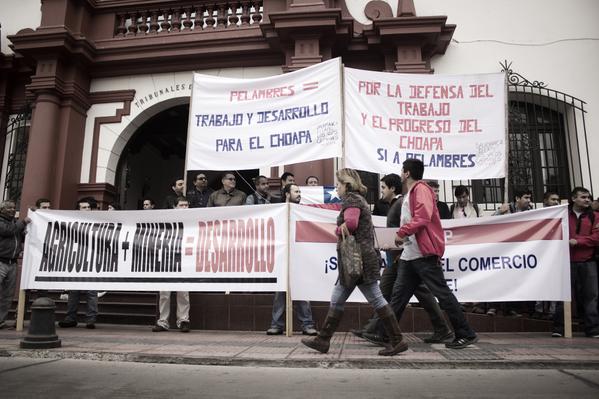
x,y
42,331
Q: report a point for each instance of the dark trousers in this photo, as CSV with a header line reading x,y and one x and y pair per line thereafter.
x,y
583,280
423,294
413,273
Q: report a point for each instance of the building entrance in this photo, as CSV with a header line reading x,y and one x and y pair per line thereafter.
x,y
155,157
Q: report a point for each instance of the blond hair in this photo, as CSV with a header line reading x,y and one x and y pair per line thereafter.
x,y
351,179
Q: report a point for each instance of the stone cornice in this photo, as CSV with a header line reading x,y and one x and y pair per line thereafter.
x,y
52,41
67,90
103,97
430,31
329,21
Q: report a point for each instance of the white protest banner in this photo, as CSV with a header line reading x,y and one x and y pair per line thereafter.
x,y
454,124
251,123
239,248
524,256
313,257
519,257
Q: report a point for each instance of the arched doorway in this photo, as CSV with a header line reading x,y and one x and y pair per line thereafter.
x,y
154,158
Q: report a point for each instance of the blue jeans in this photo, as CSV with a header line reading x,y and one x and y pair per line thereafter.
x,y
427,270
73,304
8,282
583,280
302,310
371,291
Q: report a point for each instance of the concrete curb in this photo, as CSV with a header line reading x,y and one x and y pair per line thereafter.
x,y
386,363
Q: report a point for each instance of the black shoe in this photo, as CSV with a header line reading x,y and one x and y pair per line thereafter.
x,y
557,334
274,331
184,327
376,339
67,323
91,326
158,328
439,337
461,343
311,331
357,333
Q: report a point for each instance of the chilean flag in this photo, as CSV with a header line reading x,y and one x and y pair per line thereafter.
x,y
320,197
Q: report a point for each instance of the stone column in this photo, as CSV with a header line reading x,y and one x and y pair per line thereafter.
x,y
43,136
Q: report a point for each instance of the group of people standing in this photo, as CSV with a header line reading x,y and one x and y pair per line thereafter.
x,y
413,268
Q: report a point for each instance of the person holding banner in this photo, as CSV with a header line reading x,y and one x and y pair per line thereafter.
x,y
164,302
91,297
291,194
423,241
11,244
355,218
584,238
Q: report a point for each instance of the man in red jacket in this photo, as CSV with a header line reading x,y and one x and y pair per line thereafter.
x,y
424,244
584,238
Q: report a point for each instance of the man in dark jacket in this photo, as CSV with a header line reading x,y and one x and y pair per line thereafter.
x,y
199,194
584,238
11,241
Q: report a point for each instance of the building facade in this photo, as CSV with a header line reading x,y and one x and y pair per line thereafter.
x,y
94,94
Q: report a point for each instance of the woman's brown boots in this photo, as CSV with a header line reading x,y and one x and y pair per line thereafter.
x,y
396,343
323,340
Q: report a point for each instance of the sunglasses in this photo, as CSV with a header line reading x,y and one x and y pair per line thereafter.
x,y
201,178
230,178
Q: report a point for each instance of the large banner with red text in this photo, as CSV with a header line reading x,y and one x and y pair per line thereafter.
x,y
455,124
209,249
252,123
518,257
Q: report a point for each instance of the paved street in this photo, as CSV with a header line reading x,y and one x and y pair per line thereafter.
x,y
28,378
115,361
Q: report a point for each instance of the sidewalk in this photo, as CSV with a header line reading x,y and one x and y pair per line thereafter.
x,y
139,344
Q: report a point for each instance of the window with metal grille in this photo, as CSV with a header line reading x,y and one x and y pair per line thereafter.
x,y
15,155
548,148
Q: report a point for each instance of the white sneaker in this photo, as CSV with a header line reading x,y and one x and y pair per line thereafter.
x,y
64,297
101,294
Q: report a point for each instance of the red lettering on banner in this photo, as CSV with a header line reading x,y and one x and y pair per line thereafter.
x,y
260,94
369,88
249,249
480,91
236,246
421,143
270,245
436,92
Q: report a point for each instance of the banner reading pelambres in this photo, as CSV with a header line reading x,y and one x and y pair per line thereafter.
x,y
252,123
454,124
212,249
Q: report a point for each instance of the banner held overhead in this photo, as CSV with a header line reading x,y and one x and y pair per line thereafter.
x,y
454,124
250,123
